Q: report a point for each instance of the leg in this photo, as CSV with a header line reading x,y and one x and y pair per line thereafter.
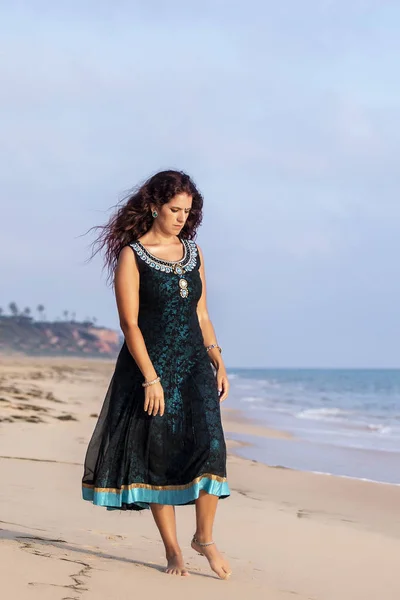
x,y
206,507
164,517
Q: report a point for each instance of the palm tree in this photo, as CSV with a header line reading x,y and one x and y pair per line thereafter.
x,y
27,311
13,309
40,309
66,313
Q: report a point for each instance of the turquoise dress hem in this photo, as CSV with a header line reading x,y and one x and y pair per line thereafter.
x,y
142,497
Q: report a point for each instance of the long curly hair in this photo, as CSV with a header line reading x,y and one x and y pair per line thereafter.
x,y
133,215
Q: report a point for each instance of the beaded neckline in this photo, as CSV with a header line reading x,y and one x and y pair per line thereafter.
x,y
187,262
162,260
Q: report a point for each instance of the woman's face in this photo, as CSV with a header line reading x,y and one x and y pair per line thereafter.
x,y
172,216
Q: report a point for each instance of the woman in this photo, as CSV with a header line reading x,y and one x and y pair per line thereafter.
x,y
159,441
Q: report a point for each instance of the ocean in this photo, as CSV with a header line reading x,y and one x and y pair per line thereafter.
x,y
344,421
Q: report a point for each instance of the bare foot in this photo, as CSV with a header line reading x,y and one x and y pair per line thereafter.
x,y
176,566
217,562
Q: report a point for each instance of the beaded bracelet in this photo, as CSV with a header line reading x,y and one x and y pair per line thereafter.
x,y
211,346
147,383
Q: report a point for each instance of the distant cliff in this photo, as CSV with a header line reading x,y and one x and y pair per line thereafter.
x,y
24,335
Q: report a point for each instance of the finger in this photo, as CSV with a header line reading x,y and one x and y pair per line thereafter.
x,y
225,390
222,384
156,407
161,406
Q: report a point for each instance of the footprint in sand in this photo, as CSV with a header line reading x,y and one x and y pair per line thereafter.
x,y
116,537
66,418
109,536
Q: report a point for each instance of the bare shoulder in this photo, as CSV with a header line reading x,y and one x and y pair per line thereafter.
x,y
201,259
125,254
199,250
126,259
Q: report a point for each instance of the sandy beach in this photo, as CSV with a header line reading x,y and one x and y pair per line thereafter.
x,y
289,535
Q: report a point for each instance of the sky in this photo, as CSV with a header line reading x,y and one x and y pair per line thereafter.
x,y
285,114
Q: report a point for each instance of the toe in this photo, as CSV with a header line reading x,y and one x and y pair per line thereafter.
x,y
227,571
220,572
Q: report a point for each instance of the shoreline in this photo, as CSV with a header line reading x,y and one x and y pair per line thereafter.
x,y
246,447
236,421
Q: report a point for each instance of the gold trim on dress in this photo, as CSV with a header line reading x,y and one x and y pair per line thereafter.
x,y
155,487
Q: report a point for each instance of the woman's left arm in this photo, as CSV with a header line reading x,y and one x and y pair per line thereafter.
x,y
209,336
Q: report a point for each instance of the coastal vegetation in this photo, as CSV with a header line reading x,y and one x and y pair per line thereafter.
x,y
29,332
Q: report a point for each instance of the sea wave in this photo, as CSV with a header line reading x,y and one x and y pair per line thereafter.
x,y
379,428
324,413
253,399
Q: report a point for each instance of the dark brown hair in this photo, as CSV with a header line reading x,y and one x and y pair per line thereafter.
x,y
133,215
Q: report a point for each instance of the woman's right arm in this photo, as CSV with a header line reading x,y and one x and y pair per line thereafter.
x,y
126,284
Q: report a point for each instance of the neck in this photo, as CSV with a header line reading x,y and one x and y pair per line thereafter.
x,y
160,237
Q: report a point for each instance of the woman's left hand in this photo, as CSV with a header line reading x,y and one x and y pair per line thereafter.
x,y
222,384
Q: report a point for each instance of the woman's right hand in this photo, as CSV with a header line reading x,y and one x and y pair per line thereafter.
x,y
154,399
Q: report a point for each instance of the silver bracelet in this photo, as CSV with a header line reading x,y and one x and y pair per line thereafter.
x,y
147,383
211,346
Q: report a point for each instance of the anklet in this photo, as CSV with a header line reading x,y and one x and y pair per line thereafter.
x,y
201,543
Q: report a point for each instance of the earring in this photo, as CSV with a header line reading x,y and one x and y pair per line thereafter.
x,y
155,214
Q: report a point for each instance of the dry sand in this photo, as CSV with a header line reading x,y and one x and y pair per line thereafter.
x,y
288,535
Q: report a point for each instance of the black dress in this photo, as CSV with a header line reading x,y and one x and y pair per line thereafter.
x,y
133,458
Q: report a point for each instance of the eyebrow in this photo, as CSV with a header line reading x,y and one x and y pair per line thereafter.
x,y
180,207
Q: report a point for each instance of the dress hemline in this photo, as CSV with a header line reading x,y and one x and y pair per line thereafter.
x,y
139,496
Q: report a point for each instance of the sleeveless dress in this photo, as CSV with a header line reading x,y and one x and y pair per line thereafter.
x,y
134,459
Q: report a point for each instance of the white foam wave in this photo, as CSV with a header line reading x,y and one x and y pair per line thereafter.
x,y
323,413
378,427
253,399
335,414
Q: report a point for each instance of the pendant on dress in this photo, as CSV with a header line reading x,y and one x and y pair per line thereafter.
x,y
183,288
183,284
